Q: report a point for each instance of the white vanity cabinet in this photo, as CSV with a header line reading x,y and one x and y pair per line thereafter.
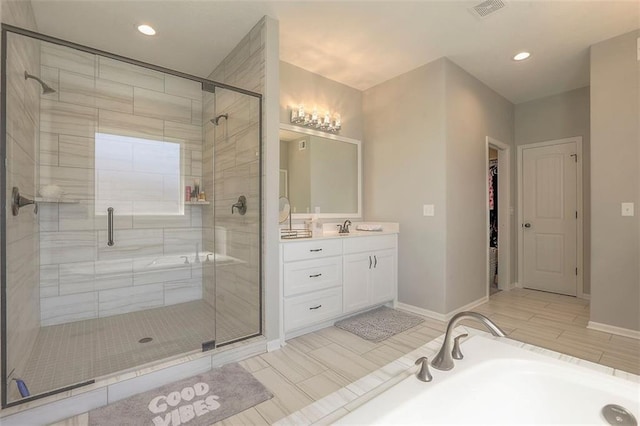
x,y
370,271
323,279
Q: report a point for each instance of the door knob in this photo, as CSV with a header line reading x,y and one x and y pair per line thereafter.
x,y
527,225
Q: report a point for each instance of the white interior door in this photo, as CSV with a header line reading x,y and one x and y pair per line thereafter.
x,y
550,206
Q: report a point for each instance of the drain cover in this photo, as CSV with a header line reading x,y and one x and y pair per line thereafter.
x,y
145,340
617,415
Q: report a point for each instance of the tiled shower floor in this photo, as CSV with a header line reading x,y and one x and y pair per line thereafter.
x,y
70,353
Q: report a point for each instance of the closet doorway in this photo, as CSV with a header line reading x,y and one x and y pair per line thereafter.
x,y
497,155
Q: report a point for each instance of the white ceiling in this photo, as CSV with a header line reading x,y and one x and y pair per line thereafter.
x,y
360,44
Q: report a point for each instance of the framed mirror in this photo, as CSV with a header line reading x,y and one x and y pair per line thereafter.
x,y
320,173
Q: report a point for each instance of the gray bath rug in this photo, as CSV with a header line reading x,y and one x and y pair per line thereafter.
x,y
379,324
197,401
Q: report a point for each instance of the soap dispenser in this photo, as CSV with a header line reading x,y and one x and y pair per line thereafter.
x,y
316,226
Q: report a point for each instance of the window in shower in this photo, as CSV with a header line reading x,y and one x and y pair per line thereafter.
x,y
137,177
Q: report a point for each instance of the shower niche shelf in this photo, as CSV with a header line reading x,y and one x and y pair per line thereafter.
x,y
197,203
56,200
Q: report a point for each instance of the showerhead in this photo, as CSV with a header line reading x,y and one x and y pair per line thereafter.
x,y
216,120
45,87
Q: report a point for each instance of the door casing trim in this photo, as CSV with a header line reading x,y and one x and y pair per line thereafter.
x,y
504,216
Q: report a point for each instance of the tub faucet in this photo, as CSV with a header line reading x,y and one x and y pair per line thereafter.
x,y
344,228
444,359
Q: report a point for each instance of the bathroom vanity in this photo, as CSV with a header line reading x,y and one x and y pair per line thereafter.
x,y
323,279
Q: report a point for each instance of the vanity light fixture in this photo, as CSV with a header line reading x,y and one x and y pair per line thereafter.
x,y
146,29
325,123
521,56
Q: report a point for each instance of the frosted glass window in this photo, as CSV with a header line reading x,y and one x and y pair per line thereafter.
x,y
137,176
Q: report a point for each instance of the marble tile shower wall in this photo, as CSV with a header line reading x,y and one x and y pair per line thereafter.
x,y
81,276
232,164
23,304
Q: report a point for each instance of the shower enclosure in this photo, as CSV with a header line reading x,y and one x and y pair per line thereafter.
x,y
131,215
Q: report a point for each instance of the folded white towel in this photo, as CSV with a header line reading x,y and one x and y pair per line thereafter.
x,y
369,227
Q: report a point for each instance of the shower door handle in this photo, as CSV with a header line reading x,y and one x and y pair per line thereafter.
x,y
110,227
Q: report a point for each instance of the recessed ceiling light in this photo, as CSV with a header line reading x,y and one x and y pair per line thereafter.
x,y
521,56
146,29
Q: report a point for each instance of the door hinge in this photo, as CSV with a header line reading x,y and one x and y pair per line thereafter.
x,y
576,214
576,271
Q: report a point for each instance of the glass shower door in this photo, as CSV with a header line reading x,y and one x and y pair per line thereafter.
x,y
237,233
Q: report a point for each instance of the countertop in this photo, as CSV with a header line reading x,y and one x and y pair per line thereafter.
x,y
330,231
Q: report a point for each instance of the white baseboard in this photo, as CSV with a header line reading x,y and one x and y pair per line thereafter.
x,y
438,316
509,286
584,296
424,312
274,345
626,332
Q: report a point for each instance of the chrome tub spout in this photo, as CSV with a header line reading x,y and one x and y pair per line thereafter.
x,y
444,359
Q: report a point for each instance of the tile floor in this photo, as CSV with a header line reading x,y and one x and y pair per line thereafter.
x,y
317,364
71,353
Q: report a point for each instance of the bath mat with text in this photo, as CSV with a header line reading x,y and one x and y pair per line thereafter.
x,y
379,324
197,401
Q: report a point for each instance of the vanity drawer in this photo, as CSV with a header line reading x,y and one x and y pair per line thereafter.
x,y
365,244
311,249
311,275
312,308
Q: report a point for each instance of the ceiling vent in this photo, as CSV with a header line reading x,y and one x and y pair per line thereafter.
x,y
486,8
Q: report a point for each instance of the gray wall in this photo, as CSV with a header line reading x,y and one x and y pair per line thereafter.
x,y
424,143
556,117
473,111
615,178
284,158
298,86
404,168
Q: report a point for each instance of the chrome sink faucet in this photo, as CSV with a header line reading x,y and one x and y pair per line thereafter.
x,y
444,359
344,228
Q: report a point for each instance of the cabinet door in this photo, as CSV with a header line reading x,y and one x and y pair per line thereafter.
x,y
356,277
383,276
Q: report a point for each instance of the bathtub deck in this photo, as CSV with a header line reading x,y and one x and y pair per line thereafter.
x,y
315,365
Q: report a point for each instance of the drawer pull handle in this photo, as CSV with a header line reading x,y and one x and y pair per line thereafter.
x,y
312,250
369,262
315,275
375,265
315,307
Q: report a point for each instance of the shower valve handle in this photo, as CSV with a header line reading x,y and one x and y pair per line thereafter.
x,y
241,205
